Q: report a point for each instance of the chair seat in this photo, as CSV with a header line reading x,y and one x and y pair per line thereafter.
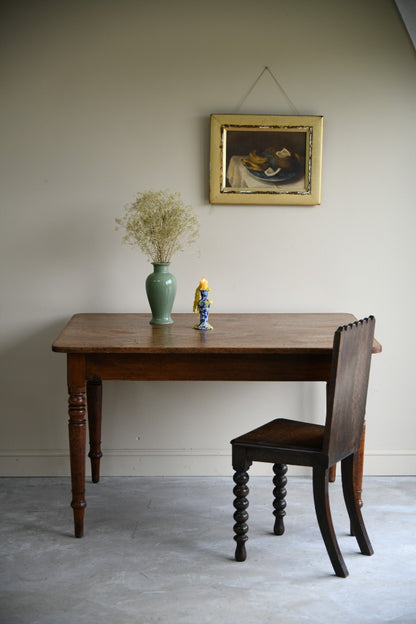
x,y
282,433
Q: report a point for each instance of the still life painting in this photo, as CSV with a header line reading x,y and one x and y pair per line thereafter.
x,y
265,159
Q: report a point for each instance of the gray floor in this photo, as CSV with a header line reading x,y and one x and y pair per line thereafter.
x,y
161,550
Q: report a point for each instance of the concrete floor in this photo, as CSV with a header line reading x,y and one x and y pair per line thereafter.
x,y
161,550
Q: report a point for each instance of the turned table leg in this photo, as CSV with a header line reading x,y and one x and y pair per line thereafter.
x,y
77,437
358,477
358,473
359,469
332,469
94,403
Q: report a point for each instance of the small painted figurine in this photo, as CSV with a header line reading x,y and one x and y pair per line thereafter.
x,y
202,304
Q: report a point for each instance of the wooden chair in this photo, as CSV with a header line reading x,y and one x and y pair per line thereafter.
x,y
284,442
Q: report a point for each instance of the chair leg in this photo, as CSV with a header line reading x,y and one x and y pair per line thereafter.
x,y
323,514
348,470
241,515
279,493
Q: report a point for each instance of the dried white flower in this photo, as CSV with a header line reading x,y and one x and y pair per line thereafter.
x,y
160,224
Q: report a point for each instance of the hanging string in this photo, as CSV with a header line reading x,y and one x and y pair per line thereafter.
x,y
267,69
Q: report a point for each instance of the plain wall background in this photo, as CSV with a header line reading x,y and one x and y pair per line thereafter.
x,y
104,98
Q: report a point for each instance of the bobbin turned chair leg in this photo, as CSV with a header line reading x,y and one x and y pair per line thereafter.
x,y
241,515
279,493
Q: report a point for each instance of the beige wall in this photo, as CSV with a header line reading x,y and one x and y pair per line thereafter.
x,y
101,99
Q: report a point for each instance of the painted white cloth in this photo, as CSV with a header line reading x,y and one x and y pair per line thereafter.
x,y
238,176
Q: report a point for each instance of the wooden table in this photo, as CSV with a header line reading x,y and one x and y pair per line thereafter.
x,y
242,347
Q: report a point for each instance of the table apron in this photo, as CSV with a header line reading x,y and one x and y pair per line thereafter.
x,y
208,367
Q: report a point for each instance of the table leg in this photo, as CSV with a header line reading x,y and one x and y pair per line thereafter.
x,y
333,469
77,437
94,404
358,477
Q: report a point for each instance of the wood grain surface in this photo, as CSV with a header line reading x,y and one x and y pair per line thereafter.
x,y
232,333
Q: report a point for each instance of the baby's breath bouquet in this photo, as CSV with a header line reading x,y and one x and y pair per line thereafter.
x,y
160,224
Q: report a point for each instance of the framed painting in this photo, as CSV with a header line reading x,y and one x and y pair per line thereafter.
x,y
266,159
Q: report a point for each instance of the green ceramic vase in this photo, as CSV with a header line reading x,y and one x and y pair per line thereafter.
x,y
161,291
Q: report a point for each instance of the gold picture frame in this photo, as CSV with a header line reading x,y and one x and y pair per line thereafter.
x,y
266,159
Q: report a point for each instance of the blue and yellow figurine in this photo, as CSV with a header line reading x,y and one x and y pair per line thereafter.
x,y
202,304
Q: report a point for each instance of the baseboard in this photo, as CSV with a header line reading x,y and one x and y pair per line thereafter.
x,y
178,462
386,463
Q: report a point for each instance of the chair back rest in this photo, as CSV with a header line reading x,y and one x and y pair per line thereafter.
x,y
347,388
